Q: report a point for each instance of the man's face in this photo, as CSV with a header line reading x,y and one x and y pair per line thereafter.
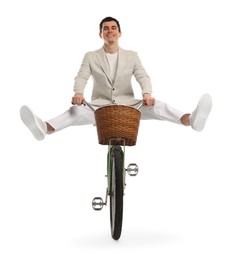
x,y
110,32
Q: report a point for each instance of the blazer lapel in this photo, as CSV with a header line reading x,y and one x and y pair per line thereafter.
x,y
103,63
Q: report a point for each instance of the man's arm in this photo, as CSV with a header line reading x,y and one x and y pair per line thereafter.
x,y
81,81
144,81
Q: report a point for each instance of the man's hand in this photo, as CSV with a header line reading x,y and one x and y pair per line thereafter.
x,y
77,99
148,100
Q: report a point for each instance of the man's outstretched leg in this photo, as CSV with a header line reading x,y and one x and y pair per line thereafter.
x,y
76,115
162,111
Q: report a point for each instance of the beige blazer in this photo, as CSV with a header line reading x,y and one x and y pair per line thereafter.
x,y
104,90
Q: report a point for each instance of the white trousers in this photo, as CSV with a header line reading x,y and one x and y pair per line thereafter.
x,y
83,115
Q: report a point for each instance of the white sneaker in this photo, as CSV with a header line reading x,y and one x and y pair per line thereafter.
x,y
201,113
35,125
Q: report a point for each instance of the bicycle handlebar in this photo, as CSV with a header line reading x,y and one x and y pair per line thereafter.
x,y
139,105
89,105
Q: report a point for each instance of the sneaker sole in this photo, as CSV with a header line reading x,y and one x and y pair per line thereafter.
x,y
30,121
203,110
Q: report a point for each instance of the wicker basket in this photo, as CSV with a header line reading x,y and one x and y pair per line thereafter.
x,y
117,121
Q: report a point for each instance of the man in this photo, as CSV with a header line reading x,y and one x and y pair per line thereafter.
x,y
112,68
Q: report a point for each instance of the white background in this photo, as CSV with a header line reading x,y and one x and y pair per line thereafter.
x,y
178,207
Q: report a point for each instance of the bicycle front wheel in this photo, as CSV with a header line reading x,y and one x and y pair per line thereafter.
x,y
116,191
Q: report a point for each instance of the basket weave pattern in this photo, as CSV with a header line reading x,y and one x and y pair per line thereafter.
x,y
117,121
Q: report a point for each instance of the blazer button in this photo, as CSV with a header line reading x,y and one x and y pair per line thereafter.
x,y
113,101
113,89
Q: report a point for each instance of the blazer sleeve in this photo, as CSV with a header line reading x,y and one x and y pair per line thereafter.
x,y
141,76
83,75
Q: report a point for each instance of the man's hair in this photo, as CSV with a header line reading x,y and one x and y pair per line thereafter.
x,y
108,19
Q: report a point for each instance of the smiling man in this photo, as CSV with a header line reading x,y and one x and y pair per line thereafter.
x,y
112,69
111,33
113,60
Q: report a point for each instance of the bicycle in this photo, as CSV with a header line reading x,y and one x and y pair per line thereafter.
x,y
117,126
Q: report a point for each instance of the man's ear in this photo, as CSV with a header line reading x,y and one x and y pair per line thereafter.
x,y
100,35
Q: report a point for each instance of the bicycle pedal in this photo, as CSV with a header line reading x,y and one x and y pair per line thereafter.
x,y
97,203
132,169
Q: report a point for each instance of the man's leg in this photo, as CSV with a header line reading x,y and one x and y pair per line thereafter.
x,y
75,115
161,111
196,120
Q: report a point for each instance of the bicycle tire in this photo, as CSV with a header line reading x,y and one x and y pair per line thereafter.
x,y
116,191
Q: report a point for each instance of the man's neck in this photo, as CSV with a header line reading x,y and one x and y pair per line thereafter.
x,y
111,48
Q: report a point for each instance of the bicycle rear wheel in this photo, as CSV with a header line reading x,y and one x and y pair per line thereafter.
x,y
116,191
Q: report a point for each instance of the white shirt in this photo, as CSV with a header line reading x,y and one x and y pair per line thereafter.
x,y
112,59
